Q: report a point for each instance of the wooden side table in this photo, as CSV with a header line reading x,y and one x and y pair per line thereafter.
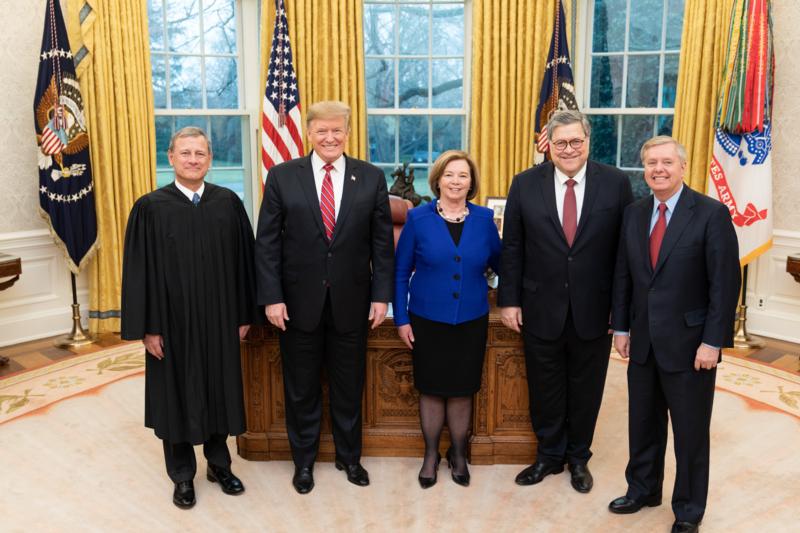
x,y
793,266
10,269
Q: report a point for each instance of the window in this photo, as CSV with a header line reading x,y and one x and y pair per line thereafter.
x,y
632,67
415,55
198,78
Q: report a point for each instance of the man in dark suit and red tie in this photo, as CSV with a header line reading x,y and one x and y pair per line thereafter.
x,y
561,228
324,268
675,293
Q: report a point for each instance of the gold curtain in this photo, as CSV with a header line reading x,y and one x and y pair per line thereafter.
x,y
510,42
703,43
327,40
112,50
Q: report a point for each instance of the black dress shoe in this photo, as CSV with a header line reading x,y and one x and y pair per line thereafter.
x,y
685,527
230,484
625,505
581,478
461,479
428,482
303,479
356,474
183,496
537,472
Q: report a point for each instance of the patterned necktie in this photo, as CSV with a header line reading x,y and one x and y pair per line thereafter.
x,y
570,212
657,236
196,199
327,204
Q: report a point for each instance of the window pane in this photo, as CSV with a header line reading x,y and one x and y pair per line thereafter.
x,y
639,186
197,121
380,82
607,81
155,22
603,145
382,131
164,177
222,88
642,81
413,139
413,83
184,26
232,179
379,21
226,141
184,86
646,23
674,24
414,24
670,87
163,134
447,134
448,30
609,26
636,129
664,125
159,81
421,181
219,23
448,80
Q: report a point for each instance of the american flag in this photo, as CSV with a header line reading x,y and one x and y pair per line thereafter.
x,y
282,130
558,89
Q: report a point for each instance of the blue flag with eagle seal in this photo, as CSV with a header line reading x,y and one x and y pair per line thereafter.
x,y
66,191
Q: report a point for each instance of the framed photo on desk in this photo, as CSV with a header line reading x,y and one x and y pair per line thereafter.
x,y
498,205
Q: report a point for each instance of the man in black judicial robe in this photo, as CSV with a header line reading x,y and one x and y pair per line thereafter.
x,y
188,292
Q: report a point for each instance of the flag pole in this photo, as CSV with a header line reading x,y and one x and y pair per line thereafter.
x,y
78,336
742,339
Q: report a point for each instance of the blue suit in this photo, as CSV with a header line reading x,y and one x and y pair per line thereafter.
x,y
447,283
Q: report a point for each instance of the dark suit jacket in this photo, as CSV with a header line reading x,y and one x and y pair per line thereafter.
x,y
296,265
692,294
540,272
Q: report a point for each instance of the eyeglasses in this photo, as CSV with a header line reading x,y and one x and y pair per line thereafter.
x,y
575,144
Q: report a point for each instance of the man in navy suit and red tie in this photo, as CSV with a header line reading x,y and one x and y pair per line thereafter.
x,y
560,235
324,266
676,286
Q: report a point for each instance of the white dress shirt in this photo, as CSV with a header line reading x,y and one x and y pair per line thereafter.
x,y
337,177
560,182
189,193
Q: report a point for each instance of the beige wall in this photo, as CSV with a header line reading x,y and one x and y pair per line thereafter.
x,y
20,41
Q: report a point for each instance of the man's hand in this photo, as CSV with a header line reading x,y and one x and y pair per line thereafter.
x,y
622,343
154,344
511,317
243,331
377,313
277,316
406,335
706,357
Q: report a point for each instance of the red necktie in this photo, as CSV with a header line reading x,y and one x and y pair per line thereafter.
x,y
327,204
658,234
570,212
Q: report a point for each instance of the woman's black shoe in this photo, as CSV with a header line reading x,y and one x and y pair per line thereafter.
x,y
461,479
428,482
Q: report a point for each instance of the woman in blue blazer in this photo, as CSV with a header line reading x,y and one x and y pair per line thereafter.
x,y
440,305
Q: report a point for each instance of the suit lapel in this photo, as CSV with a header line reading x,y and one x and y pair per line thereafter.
x,y
684,211
306,179
349,189
548,190
590,193
645,215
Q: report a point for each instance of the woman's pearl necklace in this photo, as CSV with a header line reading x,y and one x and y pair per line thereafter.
x,y
456,219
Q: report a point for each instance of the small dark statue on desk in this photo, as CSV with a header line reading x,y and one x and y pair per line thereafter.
x,y
403,185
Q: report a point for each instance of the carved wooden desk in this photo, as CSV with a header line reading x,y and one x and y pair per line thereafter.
x,y
501,424
10,269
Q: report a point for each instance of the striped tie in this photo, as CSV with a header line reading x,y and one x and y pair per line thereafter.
x,y
326,202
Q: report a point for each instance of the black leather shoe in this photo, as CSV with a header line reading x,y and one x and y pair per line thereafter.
x,y
183,496
625,505
461,479
428,482
230,484
581,478
537,472
303,479
685,527
356,474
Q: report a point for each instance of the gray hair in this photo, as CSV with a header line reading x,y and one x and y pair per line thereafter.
x,y
658,140
565,117
326,110
189,131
